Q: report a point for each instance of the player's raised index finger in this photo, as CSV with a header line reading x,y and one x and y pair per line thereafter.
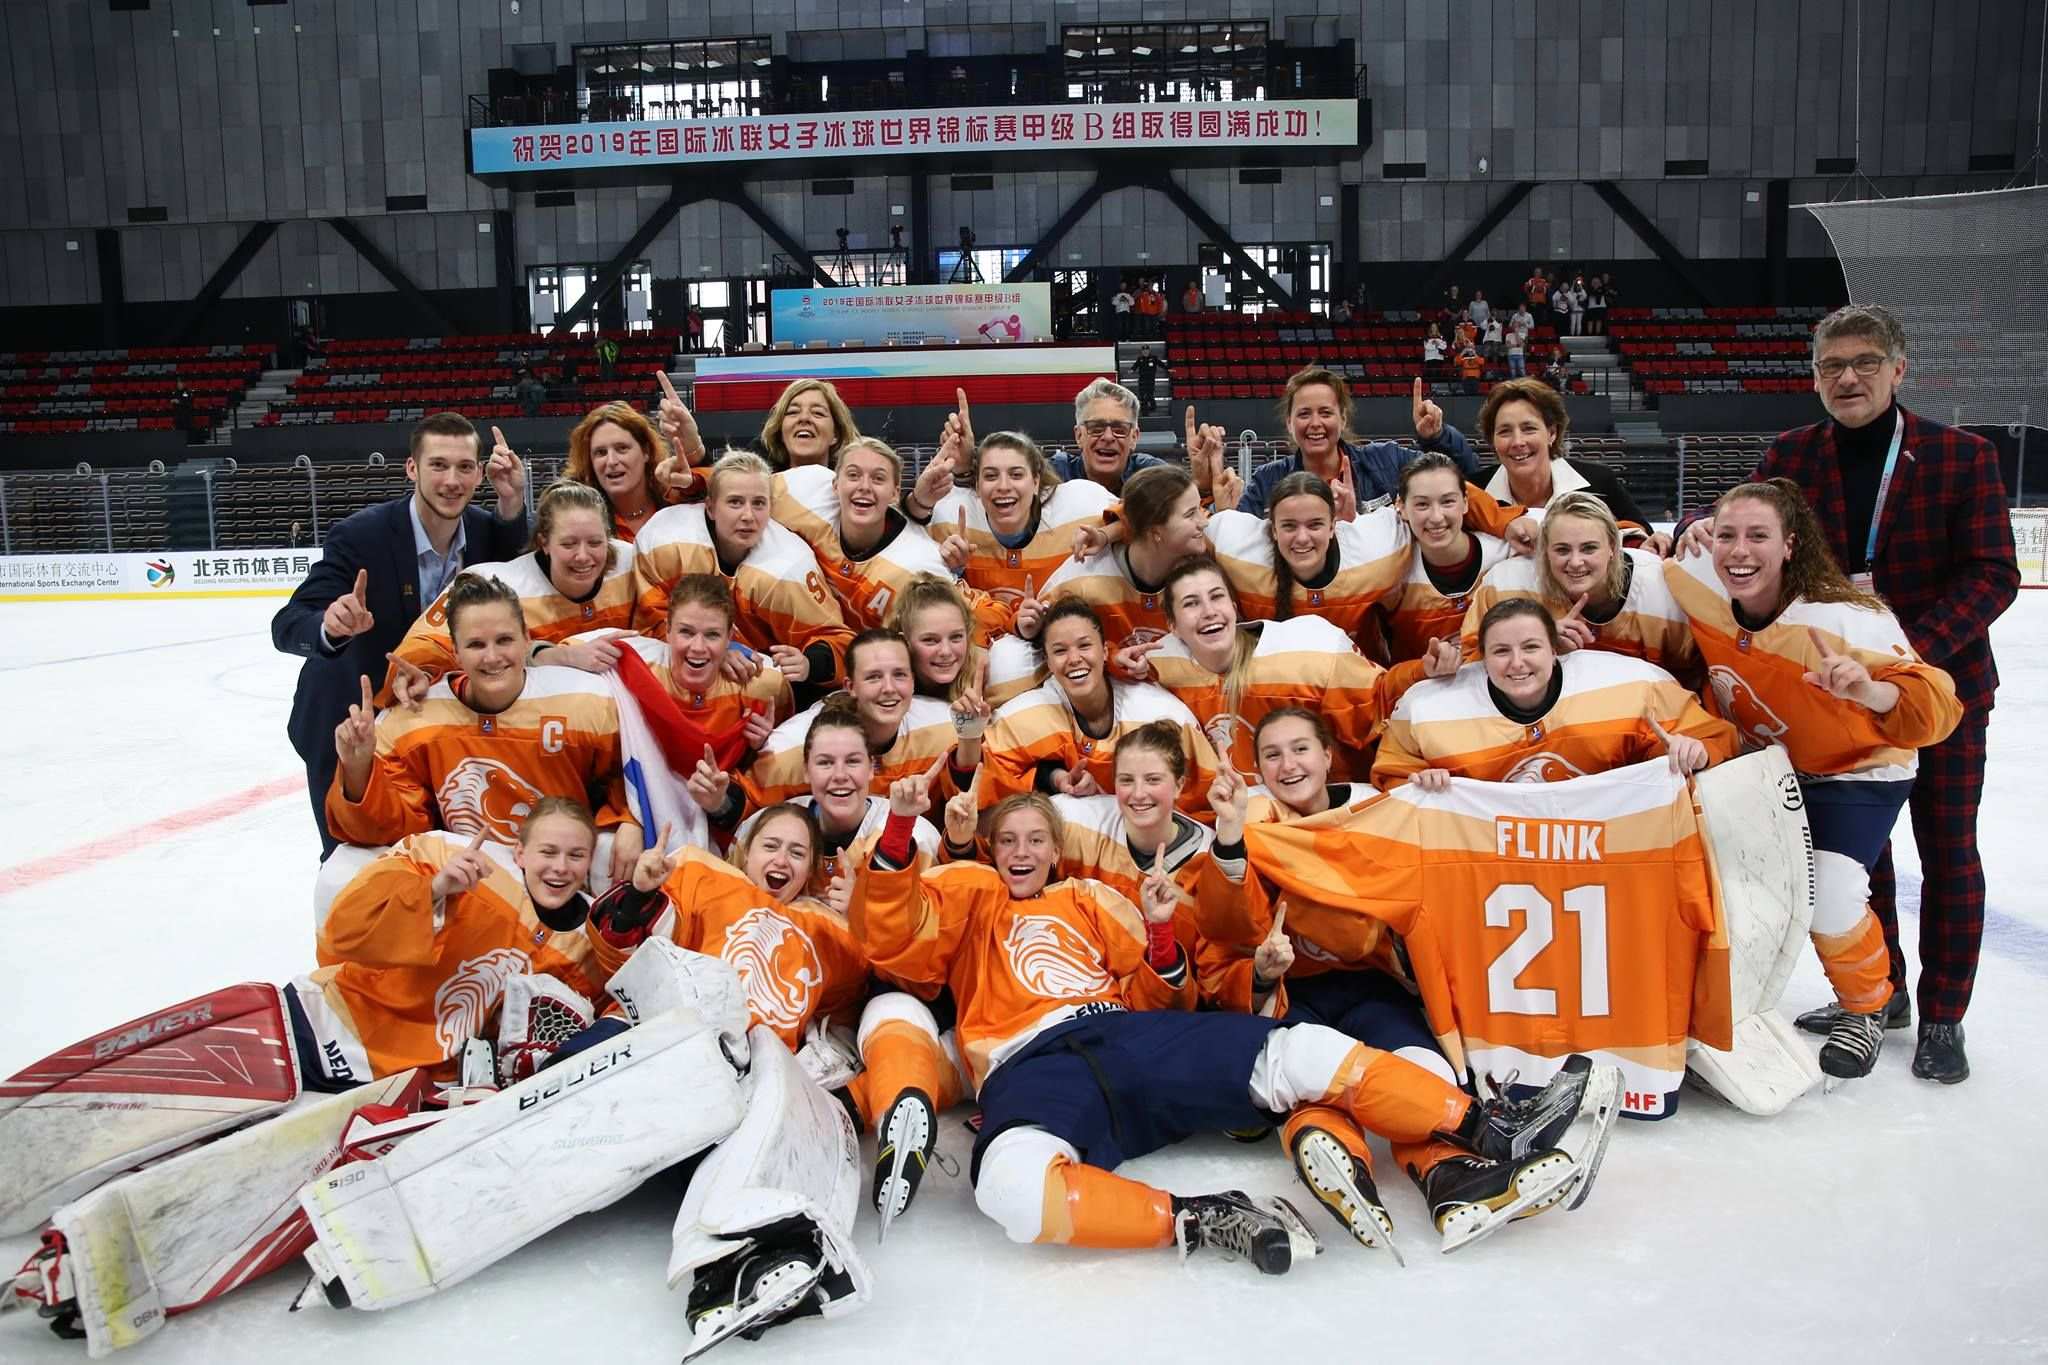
x,y
668,390
368,692
1819,642
483,833
1279,922
932,774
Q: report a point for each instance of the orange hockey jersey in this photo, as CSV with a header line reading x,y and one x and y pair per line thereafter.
x,y
1540,919
725,703
450,768
1601,720
796,960
550,617
1304,661
1757,680
778,589
1648,624
1017,968
1419,611
1015,666
1097,849
1002,572
1130,615
807,503
406,982
1039,727
926,732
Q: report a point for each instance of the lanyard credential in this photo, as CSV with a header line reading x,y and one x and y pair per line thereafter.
x,y
1884,488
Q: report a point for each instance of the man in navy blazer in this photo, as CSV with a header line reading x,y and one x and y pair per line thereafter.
x,y
383,566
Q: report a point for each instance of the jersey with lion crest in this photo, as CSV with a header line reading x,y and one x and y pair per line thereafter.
x,y
451,768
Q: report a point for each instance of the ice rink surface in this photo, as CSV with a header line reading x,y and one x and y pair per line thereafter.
x,y
157,844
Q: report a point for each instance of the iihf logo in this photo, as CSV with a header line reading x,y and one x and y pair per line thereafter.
x,y
160,573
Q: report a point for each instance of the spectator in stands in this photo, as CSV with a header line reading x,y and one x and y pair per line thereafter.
x,y
1916,511
1558,373
1479,310
1105,437
1146,369
532,394
1463,334
1191,298
1517,344
1317,409
1340,312
1471,368
377,571
1151,307
1524,319
1536,289
1493,341
1596,306
1434,352
1121,304
693,326
617,451
1561,307
1576,296
607,358
182,413
1525,421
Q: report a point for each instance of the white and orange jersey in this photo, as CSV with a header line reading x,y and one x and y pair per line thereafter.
x,y
551,618
450,768
1540,919
1646,624
722,707
1601,720
1757,680
1002,572
1304,661
807,503
1017,968
845,854
925,732
1420,610
1015,666
779,590
1040,728
796,960
1130,615
405,980
1096,847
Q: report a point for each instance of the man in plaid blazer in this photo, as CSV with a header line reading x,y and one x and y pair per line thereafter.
x,y
1936,542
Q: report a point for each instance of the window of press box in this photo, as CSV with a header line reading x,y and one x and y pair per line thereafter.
x,y
710,78
1158,63
552,290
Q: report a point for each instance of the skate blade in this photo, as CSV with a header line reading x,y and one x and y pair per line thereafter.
x,y
895,1191
759,1312
1537,1188
1603,1098
1301,1238
1325,1167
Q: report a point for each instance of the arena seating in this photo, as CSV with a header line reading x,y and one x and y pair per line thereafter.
x,y
49,392
402,379
1717,350
1229,355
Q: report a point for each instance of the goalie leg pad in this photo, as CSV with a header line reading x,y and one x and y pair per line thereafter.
x,y
794,1156
493,1176
209,1220
82,1116
660,976
1753,815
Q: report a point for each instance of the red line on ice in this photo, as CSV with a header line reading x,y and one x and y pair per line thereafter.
x,y
36,871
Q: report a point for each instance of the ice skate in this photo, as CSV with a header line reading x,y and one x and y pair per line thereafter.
x,y
1898,1014
1345,1187
1270,1233
903,1147
763,1287
1471,1198
1574,1114
1853,1043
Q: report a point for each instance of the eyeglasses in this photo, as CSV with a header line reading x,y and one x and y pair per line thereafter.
x,y
1098,427
1864,365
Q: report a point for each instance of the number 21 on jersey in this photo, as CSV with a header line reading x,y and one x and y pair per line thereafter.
x,y
1539,930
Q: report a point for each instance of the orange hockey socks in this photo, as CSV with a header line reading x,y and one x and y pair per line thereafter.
x,y
1089,1207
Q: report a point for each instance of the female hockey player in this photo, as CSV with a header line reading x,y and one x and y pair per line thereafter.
x,y
486,742
1528,712
1077,1029
1230,675
1603,596
1799,656
577,579
1344,970
1449,561
1014,527
784,612
867,548
1060,737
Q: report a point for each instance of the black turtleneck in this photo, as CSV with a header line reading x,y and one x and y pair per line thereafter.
x,y
1860,452
1529,715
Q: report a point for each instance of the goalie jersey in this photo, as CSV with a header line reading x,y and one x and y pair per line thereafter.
x,y
550,617
1540,919
405,982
